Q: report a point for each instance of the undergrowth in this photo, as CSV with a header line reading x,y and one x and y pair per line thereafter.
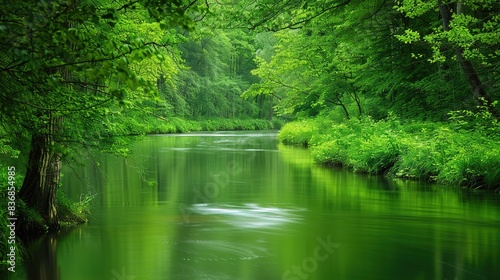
x,y
142,123
462,152
71,213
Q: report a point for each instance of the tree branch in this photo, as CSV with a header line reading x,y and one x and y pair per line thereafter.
x,y
298,24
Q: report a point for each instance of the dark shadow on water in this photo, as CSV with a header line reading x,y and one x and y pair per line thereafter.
x,y
42,263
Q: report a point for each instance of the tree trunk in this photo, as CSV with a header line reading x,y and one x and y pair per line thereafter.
x,y
271,109
355,97
343,107
477,88
42,178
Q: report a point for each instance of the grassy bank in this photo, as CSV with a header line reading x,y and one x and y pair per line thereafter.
x,y
462,152
151,124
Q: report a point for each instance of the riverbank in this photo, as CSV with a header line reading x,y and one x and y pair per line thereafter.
x,y
153,124
457,153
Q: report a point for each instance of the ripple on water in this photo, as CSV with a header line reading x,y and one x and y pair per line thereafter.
x,y
222,251
249,215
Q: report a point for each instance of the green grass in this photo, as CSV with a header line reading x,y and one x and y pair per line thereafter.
x,y
73,213
441,152
151,124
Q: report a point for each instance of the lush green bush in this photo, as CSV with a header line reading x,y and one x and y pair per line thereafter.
x,y
297,133
474,162
361,144
72,213
446,153
330,153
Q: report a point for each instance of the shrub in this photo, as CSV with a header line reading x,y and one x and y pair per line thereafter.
x,y
73,213
475,165
297,133
438,152
375,155
330,153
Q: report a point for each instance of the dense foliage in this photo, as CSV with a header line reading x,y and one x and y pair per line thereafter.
x,y
372,57
463,152
83,74
433,64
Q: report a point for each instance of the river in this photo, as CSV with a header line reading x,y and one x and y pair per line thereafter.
x,y
238,205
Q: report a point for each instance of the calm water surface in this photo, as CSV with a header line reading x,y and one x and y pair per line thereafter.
x,y
237,205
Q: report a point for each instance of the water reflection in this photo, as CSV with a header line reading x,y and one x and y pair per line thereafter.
x,y
240,206
43,264
248,215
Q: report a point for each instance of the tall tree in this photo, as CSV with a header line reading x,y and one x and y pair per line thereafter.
x,y
63,64
312,69
470,30
362,57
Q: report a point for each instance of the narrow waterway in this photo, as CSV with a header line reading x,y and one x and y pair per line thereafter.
x,y
237,205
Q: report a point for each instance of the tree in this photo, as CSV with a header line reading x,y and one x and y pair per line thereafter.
x,y
218,64
64,68
470,30
363,58
312,69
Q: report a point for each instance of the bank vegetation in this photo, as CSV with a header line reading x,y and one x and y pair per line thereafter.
x,y
462,152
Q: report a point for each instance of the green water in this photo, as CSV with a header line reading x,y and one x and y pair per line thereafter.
x,y
237,205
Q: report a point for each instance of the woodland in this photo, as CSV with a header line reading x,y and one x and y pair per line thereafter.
x,y
406,87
